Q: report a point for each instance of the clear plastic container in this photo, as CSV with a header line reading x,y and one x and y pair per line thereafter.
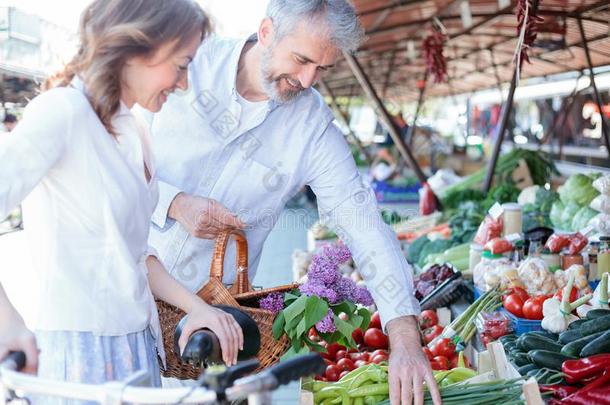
x,y
513,219
488,264
476,251
603,257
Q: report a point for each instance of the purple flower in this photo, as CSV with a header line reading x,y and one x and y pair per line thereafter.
x,y
273,302
327,324
337,254
311,288
323,271
362,296
346,289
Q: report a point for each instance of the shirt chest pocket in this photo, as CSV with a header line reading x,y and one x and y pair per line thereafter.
x,y
252,190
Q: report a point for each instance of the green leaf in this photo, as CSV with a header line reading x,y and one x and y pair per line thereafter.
x,y
345,306
344,327
291,326
295,309
315,310
296,344
292,352
301,328
366,318
315,346
278,325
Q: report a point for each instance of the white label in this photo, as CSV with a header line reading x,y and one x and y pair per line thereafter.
x,y
513,237
496,211
466,14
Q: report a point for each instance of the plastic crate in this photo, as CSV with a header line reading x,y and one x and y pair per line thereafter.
x,y
387,193
522,325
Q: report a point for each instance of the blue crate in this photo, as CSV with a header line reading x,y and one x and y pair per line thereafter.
x,y
522,325
387,193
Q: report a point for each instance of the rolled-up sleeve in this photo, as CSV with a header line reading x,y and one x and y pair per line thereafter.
x,y
348,205
33,148
160,217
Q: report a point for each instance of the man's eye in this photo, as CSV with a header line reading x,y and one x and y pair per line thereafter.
x,y
301,61
182,68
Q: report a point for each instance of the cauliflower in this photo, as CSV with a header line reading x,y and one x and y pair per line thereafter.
x,y
581,281
528,195
537,278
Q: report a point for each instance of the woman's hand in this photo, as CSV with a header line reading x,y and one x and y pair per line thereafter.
x,y
15,336
223,324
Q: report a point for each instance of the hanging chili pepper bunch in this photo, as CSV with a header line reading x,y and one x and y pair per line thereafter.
x,y
435,60
527,14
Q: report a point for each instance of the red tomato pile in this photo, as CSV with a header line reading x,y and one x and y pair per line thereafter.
x,y
428,323
442,355
520,304
372,348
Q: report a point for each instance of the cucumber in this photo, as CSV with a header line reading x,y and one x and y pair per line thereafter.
x,y
574,347
523,370
533,372
597,313
601,344
595,325
509,346
549,335
508,338
576,324
532,342
570,335
548,359
521,359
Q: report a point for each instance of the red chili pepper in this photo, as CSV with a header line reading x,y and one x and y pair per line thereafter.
x,y
559,391
596,392
576,371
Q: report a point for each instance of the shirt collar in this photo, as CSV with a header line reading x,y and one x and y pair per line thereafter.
x,y
79,85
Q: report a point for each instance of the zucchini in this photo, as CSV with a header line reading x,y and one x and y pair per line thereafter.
x,y
533,342
595,325
570,335
509,346
521,359
548,359
549,335
508,338
574,347
523,370
601,344
597,313
533,372
576,324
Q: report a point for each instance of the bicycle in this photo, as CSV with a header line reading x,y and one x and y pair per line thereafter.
x,y
218,385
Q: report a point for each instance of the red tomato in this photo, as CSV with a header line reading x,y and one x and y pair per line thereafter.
x,y
359,356
332,373
320,378
379,358
312,331
332,350
441,362
358,336
341,354
327,361
573,294
360,363
520,292
375,321
428,319
431,333
379,351
376,339
428,353
444,347
513,303
532,308
346,364
343,374
453,363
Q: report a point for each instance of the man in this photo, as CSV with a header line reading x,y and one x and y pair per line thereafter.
x,y
250,133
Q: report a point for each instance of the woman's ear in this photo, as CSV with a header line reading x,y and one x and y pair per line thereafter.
x,y
266,32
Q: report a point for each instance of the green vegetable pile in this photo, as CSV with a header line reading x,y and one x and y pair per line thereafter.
x,y
422,247
572,212
538,213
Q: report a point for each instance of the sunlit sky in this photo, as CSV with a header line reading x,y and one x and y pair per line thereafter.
x,y
234,18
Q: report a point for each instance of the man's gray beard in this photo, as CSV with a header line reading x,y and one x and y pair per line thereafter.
x,y
271,86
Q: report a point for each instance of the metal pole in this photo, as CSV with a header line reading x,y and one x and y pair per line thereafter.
x,y
420,101
343,117
598,97
404,150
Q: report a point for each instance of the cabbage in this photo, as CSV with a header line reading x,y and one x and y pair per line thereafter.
x,y
582,218
578,189
568,215
555,215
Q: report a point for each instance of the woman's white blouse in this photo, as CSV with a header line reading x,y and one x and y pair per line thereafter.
x,y
87,209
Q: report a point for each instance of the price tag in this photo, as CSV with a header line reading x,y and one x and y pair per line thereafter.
x,y
496,211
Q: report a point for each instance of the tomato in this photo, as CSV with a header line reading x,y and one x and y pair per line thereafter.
x,y
513,303
346,364
453,363
360,363
520,292
343,374
327,361
428,353
379,358
341,354
332,373
444,347
358,336
573,294
441,362
332,350
359,356
320,378
431,333
313,331
532,308
375,321
428,319
376,339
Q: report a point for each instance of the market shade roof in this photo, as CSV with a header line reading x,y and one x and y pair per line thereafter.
x,y
472,52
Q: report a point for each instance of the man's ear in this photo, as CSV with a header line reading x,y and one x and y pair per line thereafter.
x,y
266,32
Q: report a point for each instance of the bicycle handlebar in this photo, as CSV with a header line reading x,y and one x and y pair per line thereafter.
x,y
15,361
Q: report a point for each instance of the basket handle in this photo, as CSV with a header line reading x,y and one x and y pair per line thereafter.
x,y
242,283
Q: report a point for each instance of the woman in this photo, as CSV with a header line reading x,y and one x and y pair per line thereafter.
x,y
80,162
14,335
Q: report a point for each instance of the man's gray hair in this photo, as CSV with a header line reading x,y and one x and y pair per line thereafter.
x,y
338,16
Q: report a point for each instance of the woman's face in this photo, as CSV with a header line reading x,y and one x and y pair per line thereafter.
x,y
148,81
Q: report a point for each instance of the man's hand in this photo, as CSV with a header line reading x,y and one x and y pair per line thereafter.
x,y
202,217
409,367
15,336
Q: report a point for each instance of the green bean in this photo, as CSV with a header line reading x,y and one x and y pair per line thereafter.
x,y
370,390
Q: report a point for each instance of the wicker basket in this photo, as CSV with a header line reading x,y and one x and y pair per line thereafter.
x,y
240,294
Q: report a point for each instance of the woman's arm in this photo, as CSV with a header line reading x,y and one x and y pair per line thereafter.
x,y
15,336
200,314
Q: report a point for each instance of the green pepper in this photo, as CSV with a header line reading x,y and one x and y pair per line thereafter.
x,y
331,392
370,390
